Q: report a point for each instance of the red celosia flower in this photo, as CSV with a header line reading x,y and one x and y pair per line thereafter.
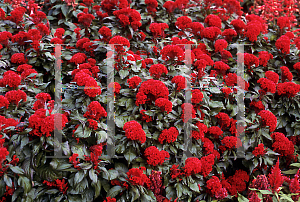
x,y
266,85
283,21
188,112
43,29
119,40
14,96
224,120
249,59
230,142
170,6
78,58
257,105
80,42
81,76
59,32
226,91
229,34
297,66
192,166
73,160
145,117
16,15
295,186
220,45
91,87
18,58
134,82
20,38
221,67
11,79
288,89
259,150
238,25
154,156
88,2
60,184
252,30
215,131
290,35
129,16
170,135
213,21
207,163
93,124
85,19
211,33
170,52
134,131
109,199
272,76
275,178
214,188
180,82
56,41
164,104
283,44
105,32
183,22
151,6
282,145
231,79
268,119
137,177
151,90
157,29
95,111
238,182
157,70
116,87
196,27
4,37
110,5
3,102
197,96
264,57
286,74
175,172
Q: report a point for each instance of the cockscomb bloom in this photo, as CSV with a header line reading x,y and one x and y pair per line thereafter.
x,y
164,104
95,111
275,178
226,91
157,29
18,58
73,160
211,33
286,74
249,59
78,58
10,78
115,86
207,163
180,82
272,76
137,177
283,44
264,57
221,67
220,45
229,34
168,135
231,79
169,6
199,134
41,100
105,33
91,88
109,199
134,82
157,70
145,117
60,184
214,188
128,16
229,142
259,150
238,25
134,131
154,156
151,90
192,166
59,32
188,112
257,106
282,144
20,38
119,40
196,28
15,96
3,102
93,124
183,22
215,131
85,19
151,6
266,85
16,15
268,119
197,96
289,89
296,66
81,75
4,37
224,120
110,5
283,22
238,182
172,52
213,21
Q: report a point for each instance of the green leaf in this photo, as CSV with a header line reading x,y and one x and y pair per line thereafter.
x,y
130,155
113,174
25,183
242,198
265,192
179,189
17,170
114,191
194,187
93,175
65,10
79,176
7,180
123,73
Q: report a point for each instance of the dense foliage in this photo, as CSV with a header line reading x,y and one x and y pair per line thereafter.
x,y
180,131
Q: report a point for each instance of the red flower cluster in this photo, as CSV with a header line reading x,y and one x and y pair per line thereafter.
x,y
128,16
134,131
60,184
286,74
154,156
220,45
288,89
249,59
78,58
73,160
15,96
145,117
211,33
272,76
229,34
151,90
95,111
18,58
260,183
226,91
180,82
93,124
224,120
259,150
3,102
207,163
197,96
192,166
238,182
264,57
221,67
268,119
41,101
96,152
172,52
282,144
215,131
183,22
157,70
283,22
110,5
188,112
230,142
134,82
85,19
170,135
275,178
214,188
10,78
109,199
157,29
115,86
267,86
137,177
213,21
238,25
151,6
105,33
199,134
257,105
297,66
164,104
283,44
119,40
